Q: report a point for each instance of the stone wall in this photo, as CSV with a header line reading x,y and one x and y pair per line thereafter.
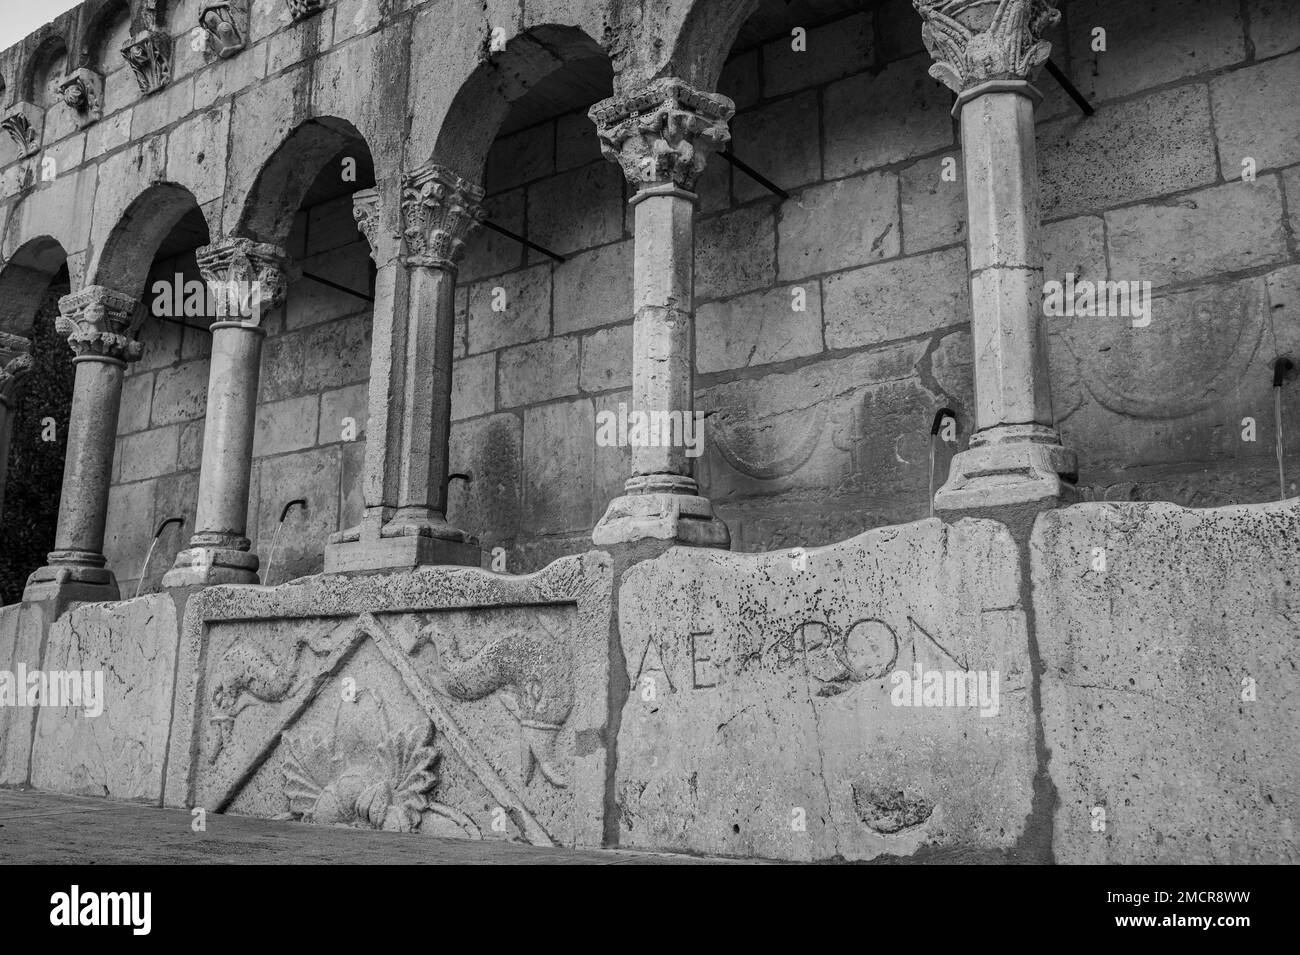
x,y
748,705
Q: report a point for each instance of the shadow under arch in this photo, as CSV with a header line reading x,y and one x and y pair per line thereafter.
x,y
705,41
539,68
297,176
165,212
24,280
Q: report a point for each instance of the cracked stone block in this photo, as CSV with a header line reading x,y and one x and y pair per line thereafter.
x,y
307,702
764,718
122,751
1169,691
21,630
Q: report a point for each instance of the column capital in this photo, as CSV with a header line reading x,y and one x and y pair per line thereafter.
x,y
99,323
15,364
663,132
974,42
365,212
440,211
244,277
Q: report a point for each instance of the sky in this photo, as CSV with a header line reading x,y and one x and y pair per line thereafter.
x,y
21,17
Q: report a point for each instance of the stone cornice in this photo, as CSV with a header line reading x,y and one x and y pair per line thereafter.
x,y
663,132
440,210
975,41
99,322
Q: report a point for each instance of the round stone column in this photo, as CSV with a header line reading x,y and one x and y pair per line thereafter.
x,y
1015,457
662,136
246,280
98,322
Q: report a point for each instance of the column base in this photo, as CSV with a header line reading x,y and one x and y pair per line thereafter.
x,y
71,583
400,545
209,566
1010,466
681,518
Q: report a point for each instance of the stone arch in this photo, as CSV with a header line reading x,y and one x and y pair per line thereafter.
x,y
296,169
124,260
46,67
530,69
24,279
697,47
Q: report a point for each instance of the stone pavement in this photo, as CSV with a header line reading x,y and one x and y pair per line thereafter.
x,y
37,827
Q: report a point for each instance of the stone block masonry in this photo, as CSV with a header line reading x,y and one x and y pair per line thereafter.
x,y
409,564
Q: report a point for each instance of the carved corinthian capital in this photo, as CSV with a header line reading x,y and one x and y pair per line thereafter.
x,y
149,54
975,41
663,132
244,277
15,364
100,323
439,212
365,211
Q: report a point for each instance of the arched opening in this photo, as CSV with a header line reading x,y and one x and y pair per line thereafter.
x,y
150,253
312,408
34,418
101,50
47,68
523,401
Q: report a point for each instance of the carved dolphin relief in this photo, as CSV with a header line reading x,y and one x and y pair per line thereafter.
x,y
533,670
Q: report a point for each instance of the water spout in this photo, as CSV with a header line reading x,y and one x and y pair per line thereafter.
x,y
270,557
935,427
144,568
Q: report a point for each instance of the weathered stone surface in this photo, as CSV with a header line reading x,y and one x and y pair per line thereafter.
x,y
896,299
875,120
606,359
473,386
759,328
831,51
933,207
759,720
556,437
1151,44
488,449
1182,240
594,288
537,372
1274,26
781,141
524,317
1098,163
734,252
1246,120
22,630
1147,668
577,209
492,687
288,425
122,751
840,225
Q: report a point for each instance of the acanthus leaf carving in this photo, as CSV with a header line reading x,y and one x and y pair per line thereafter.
x,y
149,54
245,277
101,323
663,133
440,210
975,41
23,122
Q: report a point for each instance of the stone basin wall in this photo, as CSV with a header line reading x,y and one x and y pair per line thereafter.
x,y
735,704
